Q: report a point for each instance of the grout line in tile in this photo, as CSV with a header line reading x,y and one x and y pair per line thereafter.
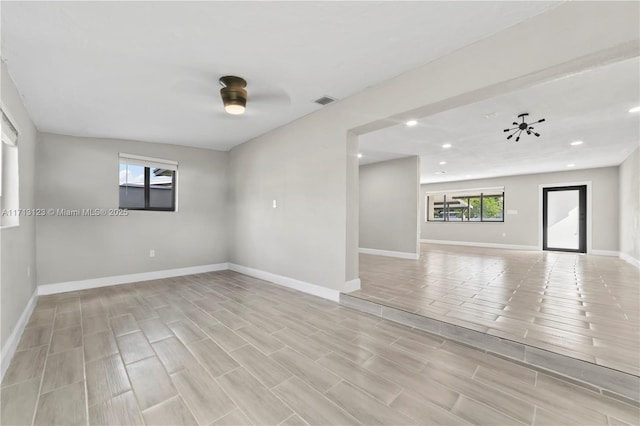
x,y
44,368
473,376
335,384
84,371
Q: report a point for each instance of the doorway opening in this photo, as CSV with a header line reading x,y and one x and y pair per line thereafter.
x,y
564,218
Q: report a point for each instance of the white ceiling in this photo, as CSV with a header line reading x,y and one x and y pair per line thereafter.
x,y
149,70
592,106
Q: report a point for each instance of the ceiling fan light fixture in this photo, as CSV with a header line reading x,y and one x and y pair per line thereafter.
x,y
234,94
234,109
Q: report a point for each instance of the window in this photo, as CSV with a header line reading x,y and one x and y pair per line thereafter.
x,y
9,187
475,205
147,183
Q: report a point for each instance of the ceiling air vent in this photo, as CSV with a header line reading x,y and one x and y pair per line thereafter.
x,y
324,100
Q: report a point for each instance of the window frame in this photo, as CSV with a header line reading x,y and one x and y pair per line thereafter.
x,y
465,195
147,186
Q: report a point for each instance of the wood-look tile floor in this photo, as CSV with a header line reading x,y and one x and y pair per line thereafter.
x,y
225,349
583,306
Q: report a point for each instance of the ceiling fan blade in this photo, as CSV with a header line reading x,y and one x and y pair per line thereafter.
x,y
269,97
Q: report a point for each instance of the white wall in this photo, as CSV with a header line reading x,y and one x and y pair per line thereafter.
x,y
18,243
82,173
522,194
630,207
389,199
304,165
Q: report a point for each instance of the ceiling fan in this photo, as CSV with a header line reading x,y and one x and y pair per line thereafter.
x,y
235,95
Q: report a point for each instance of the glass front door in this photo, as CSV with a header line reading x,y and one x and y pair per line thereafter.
x,y
565,219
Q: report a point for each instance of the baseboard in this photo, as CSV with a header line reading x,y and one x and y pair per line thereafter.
x,y
303,286
389,253
630,259
352,285
612,253
11,344
478,244
63,287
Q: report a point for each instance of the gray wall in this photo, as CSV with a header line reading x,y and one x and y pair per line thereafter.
x,y
82,173
389,205
630,206
522,194
303,168
18,244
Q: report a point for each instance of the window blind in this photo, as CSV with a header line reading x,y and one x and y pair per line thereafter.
x,y
139,160
488,190
9,131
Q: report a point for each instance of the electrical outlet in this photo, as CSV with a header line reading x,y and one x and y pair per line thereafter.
x,y
152,253
275,204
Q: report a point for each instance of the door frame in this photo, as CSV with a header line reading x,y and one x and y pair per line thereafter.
x,y
589,230
582,222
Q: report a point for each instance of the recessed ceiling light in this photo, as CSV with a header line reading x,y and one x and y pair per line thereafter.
x,y
411,123
571,165
443,163
359,155
576,143
446,145
635,109
467,176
